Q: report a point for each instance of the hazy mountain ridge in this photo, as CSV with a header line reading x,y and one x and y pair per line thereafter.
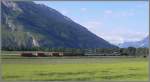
x,y
144,43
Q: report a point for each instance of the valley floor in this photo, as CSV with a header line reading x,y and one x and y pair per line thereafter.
x,y
75,68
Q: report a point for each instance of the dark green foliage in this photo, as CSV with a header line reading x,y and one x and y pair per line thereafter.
x,y
131,51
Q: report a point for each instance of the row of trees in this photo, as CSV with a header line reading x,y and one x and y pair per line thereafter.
x,y
131,51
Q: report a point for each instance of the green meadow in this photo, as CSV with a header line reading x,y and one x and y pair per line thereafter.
x,y
74,68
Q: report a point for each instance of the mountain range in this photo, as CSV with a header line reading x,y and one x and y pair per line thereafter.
x,y
144,43
27,24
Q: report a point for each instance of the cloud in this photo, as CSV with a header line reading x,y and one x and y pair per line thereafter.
x,y
113,39
108,11
116,37
112,13
142,5
64,11
135,36
92,24
83,9
127,13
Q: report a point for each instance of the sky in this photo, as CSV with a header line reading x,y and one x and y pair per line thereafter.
x,y
114,21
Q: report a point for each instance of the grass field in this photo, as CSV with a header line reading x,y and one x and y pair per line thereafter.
x,y
74,68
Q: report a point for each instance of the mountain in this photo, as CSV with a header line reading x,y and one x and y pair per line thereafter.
x,y
142,43
27,24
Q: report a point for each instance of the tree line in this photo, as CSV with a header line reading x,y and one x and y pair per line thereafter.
x,y
130,51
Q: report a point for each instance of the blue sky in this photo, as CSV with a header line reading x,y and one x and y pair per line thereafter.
x,y
115,21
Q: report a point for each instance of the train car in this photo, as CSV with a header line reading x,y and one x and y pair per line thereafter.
x,y
28,55
41,54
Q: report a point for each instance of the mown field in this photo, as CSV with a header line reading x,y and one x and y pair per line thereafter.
x,y
74,68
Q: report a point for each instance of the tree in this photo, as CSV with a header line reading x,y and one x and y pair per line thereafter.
x,y
132,51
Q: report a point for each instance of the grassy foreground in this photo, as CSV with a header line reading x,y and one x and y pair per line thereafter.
x,y
77,69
